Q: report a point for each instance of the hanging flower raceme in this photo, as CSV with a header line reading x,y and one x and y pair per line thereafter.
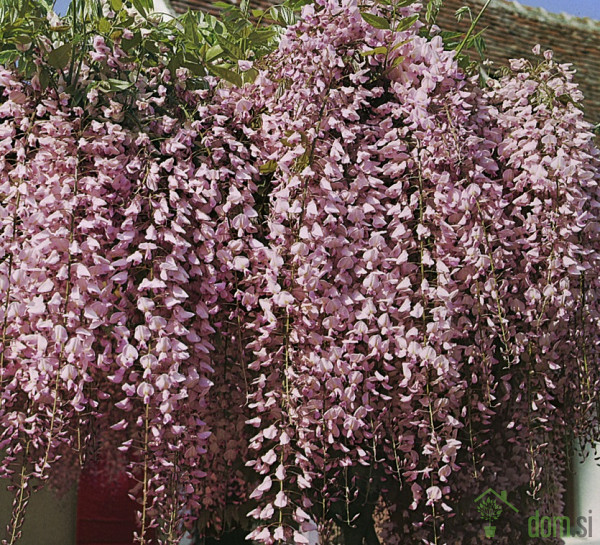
x,y
397,327
108,297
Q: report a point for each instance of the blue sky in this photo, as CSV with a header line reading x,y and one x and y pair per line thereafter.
x,y
581,8
61,6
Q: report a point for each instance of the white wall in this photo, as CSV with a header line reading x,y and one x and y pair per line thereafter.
x,y
586,497
163,6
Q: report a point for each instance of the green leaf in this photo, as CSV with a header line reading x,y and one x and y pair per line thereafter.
x,y
226,74
8,57
128,44
296,5
151,47
233,50
433,7
60,28
126,21
283,15
213,52
59,57
192,29
112,84
406,23
237,25
375,20
116,5
175,63
44,78
219,28
249,75
479,44
382,50
137,4
262,36
461,11
104,26
194,67
78,95
268,167
448,35
399,44
22,39
27,69
397,61
258,13
483,76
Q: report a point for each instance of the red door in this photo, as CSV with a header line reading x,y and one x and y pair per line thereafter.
x,y
105,514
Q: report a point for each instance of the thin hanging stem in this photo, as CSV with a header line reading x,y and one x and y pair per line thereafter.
x,y
21,500
145,489
424,324
472,28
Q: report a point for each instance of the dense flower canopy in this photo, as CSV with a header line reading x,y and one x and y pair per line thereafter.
x,y
363,272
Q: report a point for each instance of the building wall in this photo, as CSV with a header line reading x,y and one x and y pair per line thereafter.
x,y
48,521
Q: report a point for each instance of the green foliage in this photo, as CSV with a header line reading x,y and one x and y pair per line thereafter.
x,y
431,11
376,21
36,42
463,41
21,22
390,18
244,34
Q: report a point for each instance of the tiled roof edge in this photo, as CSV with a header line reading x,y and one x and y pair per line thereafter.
x,y
543,15
539,14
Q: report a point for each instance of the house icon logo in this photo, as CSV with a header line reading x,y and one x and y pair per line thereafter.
x,y
489,506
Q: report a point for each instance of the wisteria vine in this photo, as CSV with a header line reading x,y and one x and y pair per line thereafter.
x,y
361,283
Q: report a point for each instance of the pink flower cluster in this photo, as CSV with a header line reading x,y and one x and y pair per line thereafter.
x,y
109,293
360,273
